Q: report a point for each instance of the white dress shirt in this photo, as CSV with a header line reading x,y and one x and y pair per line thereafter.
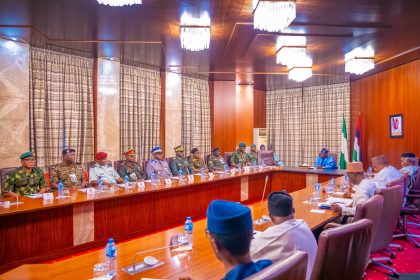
x,y
107,173
363,191
281,241
385,176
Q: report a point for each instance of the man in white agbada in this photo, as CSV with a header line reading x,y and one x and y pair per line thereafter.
x,y
385,172
363,189
286,236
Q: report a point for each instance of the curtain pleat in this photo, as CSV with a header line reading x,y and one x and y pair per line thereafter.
x,y
61,105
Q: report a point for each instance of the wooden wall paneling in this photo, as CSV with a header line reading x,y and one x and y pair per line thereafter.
x,y
244,114
28,236
224,115
377,97
259,108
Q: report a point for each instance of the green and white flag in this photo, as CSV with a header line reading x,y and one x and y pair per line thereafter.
x,y
344,155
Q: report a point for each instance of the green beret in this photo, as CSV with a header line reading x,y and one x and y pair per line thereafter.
x,y
253,145
26,155
242,145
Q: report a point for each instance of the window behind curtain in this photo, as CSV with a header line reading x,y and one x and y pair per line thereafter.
x,y
196,123
61,105
301,121
140,95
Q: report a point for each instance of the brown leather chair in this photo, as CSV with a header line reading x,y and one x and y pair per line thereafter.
x,y
227,156
168,160
343,252
3,173
334,156
206,159
267,157
117,164
372,210
293,267
393,200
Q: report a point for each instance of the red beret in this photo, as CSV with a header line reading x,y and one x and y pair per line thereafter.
x,y
101,155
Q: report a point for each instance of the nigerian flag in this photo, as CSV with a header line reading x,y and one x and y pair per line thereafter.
x,y
344,155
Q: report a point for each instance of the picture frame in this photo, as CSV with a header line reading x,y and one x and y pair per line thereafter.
x,y
396,126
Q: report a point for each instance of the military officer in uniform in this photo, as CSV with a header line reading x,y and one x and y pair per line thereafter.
x,y
26,179
253,155
69,172
130,167
216,161
158,165
197,162
179,162
240,156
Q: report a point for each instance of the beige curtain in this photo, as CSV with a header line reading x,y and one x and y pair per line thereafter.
x,y
61,105
140,96
301,121
196,123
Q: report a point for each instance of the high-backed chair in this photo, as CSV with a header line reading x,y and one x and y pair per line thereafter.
x,y
334,156
343,252
3,173
393,200
168,161
117,165
267,157
293,267
372,210
206,159
227,156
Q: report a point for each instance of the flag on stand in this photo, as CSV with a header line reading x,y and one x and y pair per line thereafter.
x,y
357,153
344,155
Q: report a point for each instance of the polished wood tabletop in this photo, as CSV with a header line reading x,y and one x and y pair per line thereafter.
x,y
200,263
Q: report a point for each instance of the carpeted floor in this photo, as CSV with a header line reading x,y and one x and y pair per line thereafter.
x,y
407,262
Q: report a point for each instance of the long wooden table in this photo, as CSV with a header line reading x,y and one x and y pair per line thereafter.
x,y
35,232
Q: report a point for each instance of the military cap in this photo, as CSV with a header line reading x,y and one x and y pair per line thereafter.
x,y
228,217
156,150
26,155
101,155
242,145
280,204
130,152
408,155
179,149
194,150
215,149
68,150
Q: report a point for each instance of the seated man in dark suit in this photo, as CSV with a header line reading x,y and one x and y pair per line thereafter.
x,y
229,228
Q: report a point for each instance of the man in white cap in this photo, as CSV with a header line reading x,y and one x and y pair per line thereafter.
x,y
364,189
385,172
158,165
409,167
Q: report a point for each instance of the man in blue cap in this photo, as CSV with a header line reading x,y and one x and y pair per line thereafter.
x,y
229,228
158,165
324,160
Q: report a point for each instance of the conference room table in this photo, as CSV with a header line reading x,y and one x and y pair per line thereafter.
x,y
38,230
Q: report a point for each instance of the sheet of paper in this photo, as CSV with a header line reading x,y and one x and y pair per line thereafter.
x,y
318,211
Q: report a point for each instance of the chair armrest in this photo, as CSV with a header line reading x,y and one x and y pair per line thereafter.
x,y
409,211
413,196
331,225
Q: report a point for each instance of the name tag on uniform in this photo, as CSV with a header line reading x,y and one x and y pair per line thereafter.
x,y
48,196
232,171
73,178
168,182
260,168
133,176
90,191
190,178
211,175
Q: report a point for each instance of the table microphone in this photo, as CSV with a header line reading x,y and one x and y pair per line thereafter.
x,y
262,220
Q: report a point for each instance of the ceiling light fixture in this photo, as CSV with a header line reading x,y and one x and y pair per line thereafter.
x,y
273,16
119,3
360,60
289,48
195,32
301,69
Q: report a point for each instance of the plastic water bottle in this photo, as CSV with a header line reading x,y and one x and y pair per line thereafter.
x,y
111,257
153,179
225,169
346,180
180,175
126,181
317,192
255,165
188,231
100,186
239,166
369,172
332,181
202,172
60,188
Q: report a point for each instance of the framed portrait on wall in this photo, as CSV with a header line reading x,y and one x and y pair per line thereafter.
x,y
396,126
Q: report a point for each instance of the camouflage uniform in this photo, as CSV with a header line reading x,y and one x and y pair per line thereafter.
x,y
178,163
198,163
70,175
131,169
253,156
239,156
216,163
161,168
21,182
